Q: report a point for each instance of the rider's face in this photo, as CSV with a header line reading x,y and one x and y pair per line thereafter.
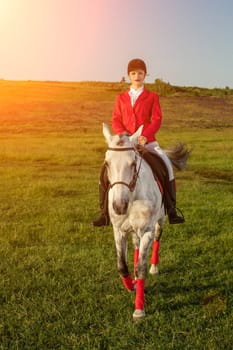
x,y
137,77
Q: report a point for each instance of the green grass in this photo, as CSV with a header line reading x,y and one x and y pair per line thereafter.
x,y
59,288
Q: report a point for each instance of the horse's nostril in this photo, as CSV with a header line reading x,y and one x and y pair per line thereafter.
x,y
125,206
120,208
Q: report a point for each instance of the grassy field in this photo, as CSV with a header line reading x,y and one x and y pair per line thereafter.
x,y
59,288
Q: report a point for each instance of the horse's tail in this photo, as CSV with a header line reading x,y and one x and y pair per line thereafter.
x,y
178,155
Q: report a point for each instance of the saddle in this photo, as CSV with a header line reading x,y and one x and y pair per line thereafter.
x,y
157,165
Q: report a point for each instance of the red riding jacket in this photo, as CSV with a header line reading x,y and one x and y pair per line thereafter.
x,y
146,111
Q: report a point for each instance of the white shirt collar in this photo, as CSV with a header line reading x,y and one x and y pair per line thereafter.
x,y
134,94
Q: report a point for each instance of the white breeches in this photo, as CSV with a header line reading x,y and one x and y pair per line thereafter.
x,y
154,147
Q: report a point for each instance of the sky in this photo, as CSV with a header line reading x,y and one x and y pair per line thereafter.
x,y
183,42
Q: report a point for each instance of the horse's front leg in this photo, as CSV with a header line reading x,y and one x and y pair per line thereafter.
x,y
136,243
141,270
155,250
122,267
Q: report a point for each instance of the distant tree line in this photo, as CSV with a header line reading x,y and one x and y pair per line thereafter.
x,y
163,88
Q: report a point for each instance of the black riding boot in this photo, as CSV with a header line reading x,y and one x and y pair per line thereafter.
x,y
170,202
103,220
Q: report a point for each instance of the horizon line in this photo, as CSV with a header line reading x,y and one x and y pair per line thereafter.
x,y
112,82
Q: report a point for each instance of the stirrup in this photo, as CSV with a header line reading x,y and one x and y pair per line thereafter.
x,y
174,218
182,215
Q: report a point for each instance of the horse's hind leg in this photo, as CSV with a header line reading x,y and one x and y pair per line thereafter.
x,y
155,250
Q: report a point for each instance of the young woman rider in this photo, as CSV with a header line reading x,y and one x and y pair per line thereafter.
x,y
133,108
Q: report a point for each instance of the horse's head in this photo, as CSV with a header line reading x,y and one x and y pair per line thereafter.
x,y
120,160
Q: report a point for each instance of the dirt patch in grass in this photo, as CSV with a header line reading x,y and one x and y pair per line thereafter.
x,y
215,175
197,112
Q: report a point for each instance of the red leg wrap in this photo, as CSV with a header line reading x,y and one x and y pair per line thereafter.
x,y
128,282
139,301
155,253
136,254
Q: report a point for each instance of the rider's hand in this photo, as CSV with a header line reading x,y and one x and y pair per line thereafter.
x,y
142,140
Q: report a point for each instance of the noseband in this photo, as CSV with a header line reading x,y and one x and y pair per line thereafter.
x,y
132,183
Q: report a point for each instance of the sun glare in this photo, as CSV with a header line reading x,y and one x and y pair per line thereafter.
x,y
8,14
5,8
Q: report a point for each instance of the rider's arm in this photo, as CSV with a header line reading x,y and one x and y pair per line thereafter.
x,y
155,119
117,124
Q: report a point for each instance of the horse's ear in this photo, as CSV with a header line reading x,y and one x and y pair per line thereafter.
x,y
134,138
106,133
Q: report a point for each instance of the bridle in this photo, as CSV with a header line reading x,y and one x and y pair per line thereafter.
x,y
133,182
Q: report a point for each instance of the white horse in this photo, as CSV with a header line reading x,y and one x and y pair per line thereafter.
x,y
135,206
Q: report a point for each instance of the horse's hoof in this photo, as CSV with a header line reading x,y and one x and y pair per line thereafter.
x,y
138,315
154,270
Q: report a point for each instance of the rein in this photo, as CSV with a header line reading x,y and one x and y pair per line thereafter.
x,y
121,149
133,182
